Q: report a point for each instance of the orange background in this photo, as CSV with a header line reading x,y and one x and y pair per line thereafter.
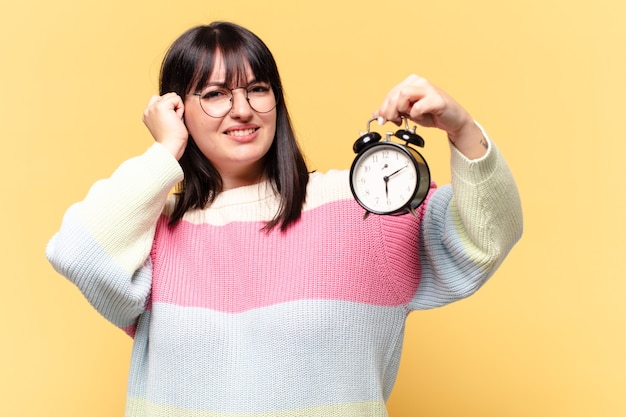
x,y
546,78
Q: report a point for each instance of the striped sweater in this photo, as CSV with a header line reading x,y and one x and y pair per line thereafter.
x,y
231,321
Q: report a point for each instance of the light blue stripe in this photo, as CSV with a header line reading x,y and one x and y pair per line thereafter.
x,y
119,296
448,273
294,355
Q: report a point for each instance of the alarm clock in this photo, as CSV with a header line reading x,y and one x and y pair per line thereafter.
x,y
387,177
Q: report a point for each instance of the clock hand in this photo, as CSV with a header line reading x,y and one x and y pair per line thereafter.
x,y
395,172
386,179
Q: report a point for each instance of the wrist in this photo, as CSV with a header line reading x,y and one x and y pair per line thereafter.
x,y
176,148
469,140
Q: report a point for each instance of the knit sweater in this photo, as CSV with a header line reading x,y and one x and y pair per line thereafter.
x,y
231,321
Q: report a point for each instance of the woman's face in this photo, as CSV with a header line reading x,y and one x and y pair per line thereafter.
x,y
237,142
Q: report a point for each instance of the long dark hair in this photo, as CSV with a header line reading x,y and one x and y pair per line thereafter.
x,y
186,68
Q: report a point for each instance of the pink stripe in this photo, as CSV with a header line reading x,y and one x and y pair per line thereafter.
x,y
236,267
130,330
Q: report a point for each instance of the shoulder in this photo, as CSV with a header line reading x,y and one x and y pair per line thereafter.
x,y
327,187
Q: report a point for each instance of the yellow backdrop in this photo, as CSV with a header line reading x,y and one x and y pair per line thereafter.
x,y
545,337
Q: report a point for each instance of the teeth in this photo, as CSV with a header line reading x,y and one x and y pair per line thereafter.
x,y
243,132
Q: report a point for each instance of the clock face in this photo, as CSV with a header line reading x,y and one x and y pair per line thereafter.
x,y
384,178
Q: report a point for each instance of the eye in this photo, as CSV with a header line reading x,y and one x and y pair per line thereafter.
x,y
259,89
216,94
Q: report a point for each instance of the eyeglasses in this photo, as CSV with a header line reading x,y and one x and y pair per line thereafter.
x,y
217,101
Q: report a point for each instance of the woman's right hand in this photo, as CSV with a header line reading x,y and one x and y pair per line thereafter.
x,y
164,119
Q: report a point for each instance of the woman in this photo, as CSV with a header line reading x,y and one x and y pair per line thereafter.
x,y
257,289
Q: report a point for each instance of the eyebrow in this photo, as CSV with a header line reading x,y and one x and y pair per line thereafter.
x,y
223,84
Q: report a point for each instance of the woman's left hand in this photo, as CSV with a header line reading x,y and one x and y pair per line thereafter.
x,y
425,104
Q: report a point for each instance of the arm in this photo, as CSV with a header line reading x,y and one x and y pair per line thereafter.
x,y
104,241
468,227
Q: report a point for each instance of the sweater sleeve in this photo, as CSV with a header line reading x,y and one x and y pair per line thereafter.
x,y
468,229
104,241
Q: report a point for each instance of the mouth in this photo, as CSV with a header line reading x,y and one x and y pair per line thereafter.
x,y
241,132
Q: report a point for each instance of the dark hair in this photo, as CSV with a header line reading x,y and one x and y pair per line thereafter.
x,y
186,68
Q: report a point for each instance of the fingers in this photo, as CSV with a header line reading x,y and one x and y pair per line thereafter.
x,y
420,101
402,100
163,116
160,108
169,101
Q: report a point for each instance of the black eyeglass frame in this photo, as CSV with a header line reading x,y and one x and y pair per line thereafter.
x,y
232,94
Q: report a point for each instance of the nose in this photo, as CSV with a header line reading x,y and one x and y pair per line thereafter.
x,y
241,108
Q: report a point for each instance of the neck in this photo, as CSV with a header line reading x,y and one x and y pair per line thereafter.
x,y
232,179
